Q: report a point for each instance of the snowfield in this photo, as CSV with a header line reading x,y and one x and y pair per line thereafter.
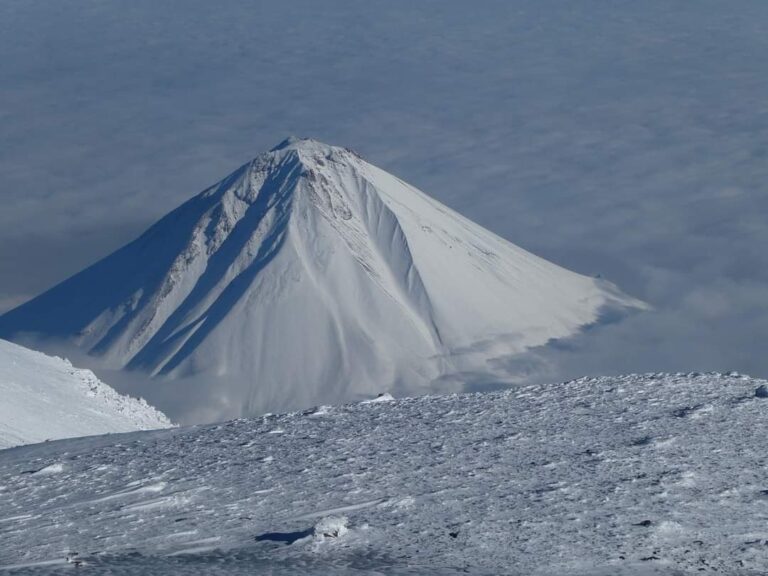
x,y
307,276
651,474
46,398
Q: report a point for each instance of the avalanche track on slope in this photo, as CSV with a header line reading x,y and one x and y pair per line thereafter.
x,y
309,276
46,398
653,474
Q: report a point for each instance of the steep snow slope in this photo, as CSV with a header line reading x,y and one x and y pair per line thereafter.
x,y
45,398
654,474
310,276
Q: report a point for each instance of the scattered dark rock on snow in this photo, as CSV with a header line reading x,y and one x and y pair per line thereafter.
x,y
331,527
286,537
644,441
73,558
643,523
686,411
762,391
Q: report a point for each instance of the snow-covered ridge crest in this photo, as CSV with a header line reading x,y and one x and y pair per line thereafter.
x,y
46,398
310,276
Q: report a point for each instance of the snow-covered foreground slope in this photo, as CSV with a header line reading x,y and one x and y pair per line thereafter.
x,y
309,276
631,475
45,398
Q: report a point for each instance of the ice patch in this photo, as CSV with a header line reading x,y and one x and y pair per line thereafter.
x,y
385,397
148,489
57,468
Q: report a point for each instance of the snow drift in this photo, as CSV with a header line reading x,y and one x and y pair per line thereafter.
x,y
45,398
310,276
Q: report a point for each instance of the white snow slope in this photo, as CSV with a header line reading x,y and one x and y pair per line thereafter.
x,y
310,276
45,398
654,474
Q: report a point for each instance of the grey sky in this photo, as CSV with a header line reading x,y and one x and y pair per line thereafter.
x,y
623,138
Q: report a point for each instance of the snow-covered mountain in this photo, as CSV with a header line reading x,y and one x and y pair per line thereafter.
x,y
310,276
656,474
46,398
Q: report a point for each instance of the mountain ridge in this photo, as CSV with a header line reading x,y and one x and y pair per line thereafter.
x,y
310,273
46,398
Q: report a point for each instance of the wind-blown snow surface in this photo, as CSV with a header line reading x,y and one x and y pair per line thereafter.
x,y
310,276
45,398
637,474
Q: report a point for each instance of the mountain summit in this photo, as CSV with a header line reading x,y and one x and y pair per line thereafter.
x,y
309,276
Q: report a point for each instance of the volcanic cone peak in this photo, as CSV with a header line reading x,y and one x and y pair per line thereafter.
x,y
310,276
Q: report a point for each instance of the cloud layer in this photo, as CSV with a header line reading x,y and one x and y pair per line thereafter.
x,y
624,139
